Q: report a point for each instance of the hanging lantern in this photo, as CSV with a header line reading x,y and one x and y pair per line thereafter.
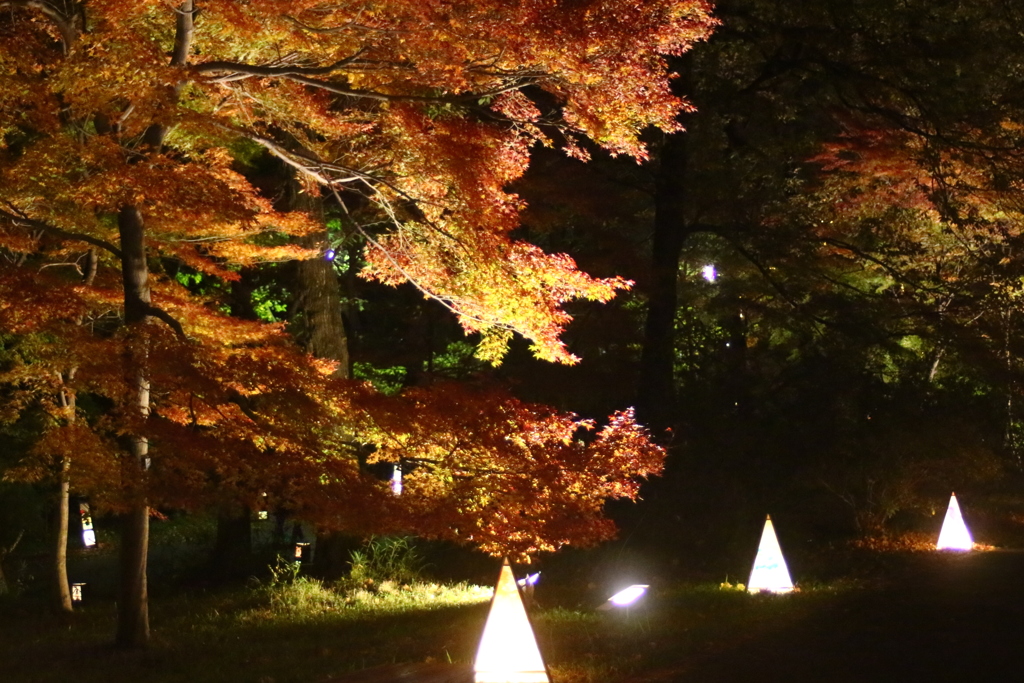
x,y
88,533
396,479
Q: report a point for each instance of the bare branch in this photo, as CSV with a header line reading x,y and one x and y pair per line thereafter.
x,y
23,221
166,317
301,75
65,24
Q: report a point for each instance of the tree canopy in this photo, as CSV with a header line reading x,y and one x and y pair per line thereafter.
x,y
128,131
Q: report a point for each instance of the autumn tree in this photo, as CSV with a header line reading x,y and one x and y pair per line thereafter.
x,y
121,120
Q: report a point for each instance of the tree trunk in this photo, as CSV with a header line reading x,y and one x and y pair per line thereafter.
x,y
68,402
4,552
321,329
133,606
232,550
656,394
133,602
133,594
62,592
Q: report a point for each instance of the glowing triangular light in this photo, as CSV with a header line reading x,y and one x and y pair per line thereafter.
x,y
770,572
508,651
954,534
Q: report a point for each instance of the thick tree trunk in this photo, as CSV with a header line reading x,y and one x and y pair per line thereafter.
x,y
656,394
133,594
133,602
321,329
232,550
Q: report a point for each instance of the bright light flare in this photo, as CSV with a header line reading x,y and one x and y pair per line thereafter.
x,y
770,573
628,596
529,580
709,273
954,534
508,651
329,255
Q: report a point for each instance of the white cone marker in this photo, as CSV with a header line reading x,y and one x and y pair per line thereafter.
x,y
770,573
508,651
954,534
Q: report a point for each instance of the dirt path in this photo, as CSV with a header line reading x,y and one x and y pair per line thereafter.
x,y
956,618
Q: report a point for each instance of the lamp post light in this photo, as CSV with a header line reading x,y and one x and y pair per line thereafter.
x,y
76,593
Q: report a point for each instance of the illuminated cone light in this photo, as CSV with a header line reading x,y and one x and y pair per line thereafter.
x,y
770,572
508,651
954,534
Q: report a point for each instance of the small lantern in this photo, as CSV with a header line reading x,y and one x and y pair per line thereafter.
x,y
88,533
303,551
76,593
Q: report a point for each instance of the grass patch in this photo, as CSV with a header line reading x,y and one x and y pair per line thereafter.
x,y
285,632
293,629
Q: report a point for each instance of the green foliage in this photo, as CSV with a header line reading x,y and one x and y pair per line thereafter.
x,y
268,305
387,558
457,361
387,380
188,279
